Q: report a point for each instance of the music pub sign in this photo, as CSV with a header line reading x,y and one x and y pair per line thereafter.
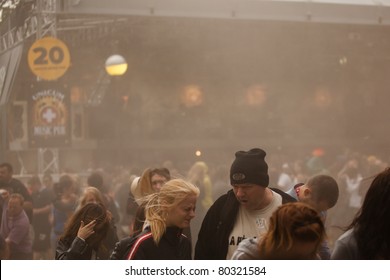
x,y
49,119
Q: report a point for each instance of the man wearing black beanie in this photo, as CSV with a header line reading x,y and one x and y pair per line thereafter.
x,y
244,211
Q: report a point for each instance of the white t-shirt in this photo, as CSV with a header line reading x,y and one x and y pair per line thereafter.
x,y
251,223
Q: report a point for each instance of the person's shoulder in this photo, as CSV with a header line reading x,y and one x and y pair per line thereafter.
x,y
225,195
225,199
22,220
345,247
222,199
285,197
17,184
143,240
144,237
130,240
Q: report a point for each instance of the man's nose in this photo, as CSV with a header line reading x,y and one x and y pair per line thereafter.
x,y
240,191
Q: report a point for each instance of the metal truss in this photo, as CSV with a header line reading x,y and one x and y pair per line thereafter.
x,y
39,20
48,160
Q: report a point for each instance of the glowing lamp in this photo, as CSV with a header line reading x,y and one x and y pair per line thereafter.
x,y
116,65
192,96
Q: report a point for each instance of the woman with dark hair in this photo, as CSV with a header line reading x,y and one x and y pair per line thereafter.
x,y
93,195
84,234
368,236
295,232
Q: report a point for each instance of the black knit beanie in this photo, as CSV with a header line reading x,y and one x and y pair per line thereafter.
x,y
250,168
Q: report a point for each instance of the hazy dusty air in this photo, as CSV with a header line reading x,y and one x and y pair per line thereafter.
x,y
216,85
309,83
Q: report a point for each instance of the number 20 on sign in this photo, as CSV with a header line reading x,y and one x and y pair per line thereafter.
x,y
49,58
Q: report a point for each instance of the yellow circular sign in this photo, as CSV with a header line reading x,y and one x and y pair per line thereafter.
x,y
49,58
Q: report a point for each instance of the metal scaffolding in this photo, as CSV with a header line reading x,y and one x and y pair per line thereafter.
x,y
48,160
38,19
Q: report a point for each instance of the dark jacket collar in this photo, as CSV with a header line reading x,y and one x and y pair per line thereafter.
x,y
173,235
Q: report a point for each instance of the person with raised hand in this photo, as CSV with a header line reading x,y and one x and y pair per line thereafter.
x,y
84,234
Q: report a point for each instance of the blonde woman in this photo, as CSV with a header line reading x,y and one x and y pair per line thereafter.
x,y
168,212
295,233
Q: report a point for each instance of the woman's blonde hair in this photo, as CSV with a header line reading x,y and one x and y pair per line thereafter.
x,y
290,223
95,192
157,205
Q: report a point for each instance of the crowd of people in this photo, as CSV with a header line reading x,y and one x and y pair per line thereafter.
x,y
253,209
